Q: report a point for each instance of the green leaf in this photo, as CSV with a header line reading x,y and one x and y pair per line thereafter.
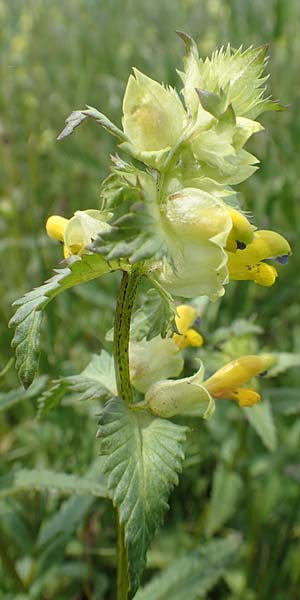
x,y
194,574
260,416
78,116
143,456
11,398
156,316
63,523
226,490
96,381
131,194
28,317
44,479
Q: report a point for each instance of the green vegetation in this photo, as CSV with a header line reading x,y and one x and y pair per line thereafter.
x,y
240,484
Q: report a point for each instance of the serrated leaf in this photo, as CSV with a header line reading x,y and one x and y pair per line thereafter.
x,y
260,416
97,380
143,456
28,317
226,489
8,399
44,479
155,317
78,116
194,574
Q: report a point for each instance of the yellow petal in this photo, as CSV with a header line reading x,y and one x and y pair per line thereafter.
x,y
189,338
55,227
236,373
261,272
242,230
185,317
266,244
244,396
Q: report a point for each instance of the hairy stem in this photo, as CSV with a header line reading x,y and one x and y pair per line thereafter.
x,y
123,315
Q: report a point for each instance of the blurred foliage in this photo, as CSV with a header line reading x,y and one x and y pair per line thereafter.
x,y
55,57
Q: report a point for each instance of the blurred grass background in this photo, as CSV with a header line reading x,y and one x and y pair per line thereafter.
x,y
55,57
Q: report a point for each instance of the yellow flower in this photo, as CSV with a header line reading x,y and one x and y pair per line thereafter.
x,y
242,231
194,397
78,232
227,381
248,263
186,336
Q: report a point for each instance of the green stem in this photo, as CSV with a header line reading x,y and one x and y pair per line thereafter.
x,y
123,315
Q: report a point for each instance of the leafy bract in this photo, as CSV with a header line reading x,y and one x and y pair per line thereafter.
x,y
134,232
143,456
28,317
194,574
156,316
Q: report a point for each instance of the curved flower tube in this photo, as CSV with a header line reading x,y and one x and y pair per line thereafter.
x,y
78,232
248,263
194,397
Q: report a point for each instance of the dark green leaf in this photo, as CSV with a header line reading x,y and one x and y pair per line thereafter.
x,y
28,317
143,456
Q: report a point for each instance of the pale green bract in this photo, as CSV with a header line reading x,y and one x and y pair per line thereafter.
x,y
182,396
196,226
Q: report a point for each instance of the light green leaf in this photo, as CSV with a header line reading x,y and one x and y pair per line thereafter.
x,y
260,416
8,399
194,574
156,316
44,479
226,490
28,317
97,380
78,116
143,456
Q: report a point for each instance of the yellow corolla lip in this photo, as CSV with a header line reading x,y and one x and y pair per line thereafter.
x,y
242,232
227,381
186,336
248,263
